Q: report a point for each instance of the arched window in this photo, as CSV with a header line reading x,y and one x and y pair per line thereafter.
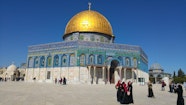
x,y
49,61
81,37
71,38
101,39
100,59
42,61
64,60
127,61
36,62
135,62
92,38
30,62
121,60
82,60
72,60
56,61
91,59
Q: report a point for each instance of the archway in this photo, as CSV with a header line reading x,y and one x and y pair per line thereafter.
x,y
113,65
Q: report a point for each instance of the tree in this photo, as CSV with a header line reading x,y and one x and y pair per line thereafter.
x,y
174,74
180,73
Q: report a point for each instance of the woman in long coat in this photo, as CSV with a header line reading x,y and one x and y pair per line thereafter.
x,y
180,100
130,95
150,91
124,97
119,88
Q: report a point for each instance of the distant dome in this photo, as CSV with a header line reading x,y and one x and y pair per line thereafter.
x,y
156,66
12,67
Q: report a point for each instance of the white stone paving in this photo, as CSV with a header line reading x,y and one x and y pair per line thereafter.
x,y
29,93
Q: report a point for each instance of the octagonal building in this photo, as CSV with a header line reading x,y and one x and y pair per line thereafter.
x,y
88,54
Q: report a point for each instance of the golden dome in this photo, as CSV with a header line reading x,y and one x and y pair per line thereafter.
x,y
89,21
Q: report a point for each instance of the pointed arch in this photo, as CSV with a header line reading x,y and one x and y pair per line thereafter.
x,y
36,62
121,60
100,59
42,61
56,61
127,61
72,59
91,59
30,62
135,62
82,60
49,61
64,60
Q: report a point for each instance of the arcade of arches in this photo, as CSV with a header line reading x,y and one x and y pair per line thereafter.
x,y
111,74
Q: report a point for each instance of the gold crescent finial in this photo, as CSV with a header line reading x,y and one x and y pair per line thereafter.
x,y
89,5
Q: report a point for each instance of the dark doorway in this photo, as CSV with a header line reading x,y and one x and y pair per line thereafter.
x,y
48,74
113,65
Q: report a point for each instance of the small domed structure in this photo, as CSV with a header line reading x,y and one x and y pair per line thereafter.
x,y
10,71
156,68
156,73
12,68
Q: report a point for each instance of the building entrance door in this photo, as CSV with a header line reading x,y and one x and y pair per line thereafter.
x,y
48,74
114,64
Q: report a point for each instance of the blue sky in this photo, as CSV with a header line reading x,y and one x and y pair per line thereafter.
x,y
158,26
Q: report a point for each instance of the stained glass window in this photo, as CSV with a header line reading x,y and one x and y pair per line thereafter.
x,y
30,62
127,61
56,61
64,60
72,60
36,62
82,60
135,62
91,59
42,61
49,61
100,59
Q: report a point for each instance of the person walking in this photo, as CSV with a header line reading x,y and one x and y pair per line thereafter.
x,y
64,81
150,91
118,86
130,93
163,84
55,80
184,84
124,97
179,90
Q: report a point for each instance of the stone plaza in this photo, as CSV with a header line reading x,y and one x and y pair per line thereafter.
x,y
34,93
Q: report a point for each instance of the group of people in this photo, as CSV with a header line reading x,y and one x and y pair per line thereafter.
x,y
124,92
61,80
172,87
177,88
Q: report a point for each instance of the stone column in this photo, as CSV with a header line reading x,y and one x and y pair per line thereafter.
x,y
125,74
89,78
26,77
136,75
103,74
132,75
94,75
120,72
108,74
39,74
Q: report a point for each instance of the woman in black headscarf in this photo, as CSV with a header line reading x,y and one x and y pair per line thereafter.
x,y
180,100
130,95
118,86
150,91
